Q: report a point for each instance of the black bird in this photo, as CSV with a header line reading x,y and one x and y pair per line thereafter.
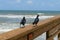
x,y
23,21
36,20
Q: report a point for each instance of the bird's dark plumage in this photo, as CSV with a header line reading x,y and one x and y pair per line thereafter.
x,y
36,20
23,21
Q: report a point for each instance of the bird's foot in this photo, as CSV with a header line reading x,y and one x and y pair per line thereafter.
x,y
34,25
22,27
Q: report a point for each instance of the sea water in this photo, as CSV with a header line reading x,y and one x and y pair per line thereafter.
x,y
10,19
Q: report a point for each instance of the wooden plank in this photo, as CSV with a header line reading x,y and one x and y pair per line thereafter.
x,y
51,37
59,36
53,30
21,32
39,31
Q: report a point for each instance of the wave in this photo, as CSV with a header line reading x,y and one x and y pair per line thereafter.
x,y
4,27
40,13
5,30
21,16
10,25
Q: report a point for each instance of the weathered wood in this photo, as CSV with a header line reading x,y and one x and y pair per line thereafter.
x,y
52,36
45,28
21,33
52,31
59,36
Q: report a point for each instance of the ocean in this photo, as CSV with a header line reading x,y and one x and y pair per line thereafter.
x,y
10,19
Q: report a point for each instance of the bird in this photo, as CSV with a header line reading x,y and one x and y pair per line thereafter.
x,y
36,21
23,21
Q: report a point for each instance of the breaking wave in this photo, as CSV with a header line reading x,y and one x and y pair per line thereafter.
x,y
20,16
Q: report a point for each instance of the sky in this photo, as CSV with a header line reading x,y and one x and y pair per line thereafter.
x,y
30,5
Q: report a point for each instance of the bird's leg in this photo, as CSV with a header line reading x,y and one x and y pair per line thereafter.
x,y
21,26
24,25
34,25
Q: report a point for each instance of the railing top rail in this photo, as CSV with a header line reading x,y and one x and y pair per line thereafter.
x,y
24,31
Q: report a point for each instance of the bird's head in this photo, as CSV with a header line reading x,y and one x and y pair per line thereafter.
x,y
37,15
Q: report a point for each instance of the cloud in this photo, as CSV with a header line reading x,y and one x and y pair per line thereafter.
x,y
18,1
29,2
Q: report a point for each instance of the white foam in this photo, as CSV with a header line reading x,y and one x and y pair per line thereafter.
x,y
4,27
4,30
20,16
40,13
10,25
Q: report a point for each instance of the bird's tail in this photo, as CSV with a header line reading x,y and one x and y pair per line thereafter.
x,y
33,23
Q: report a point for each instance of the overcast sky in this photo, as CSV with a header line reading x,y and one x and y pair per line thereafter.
x,y
30,5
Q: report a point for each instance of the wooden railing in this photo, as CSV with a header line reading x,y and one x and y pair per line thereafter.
x,y
50,26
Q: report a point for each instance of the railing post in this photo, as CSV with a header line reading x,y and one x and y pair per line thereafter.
x,y
30,36
48,37
59,36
